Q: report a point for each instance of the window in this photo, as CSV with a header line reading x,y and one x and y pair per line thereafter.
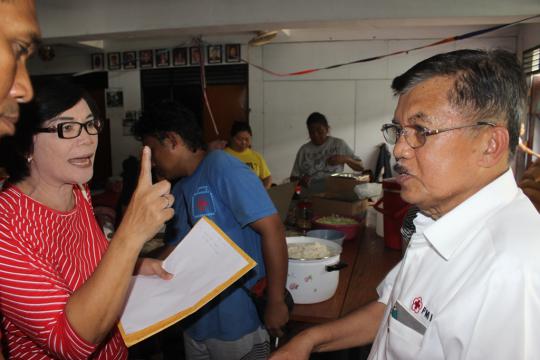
x,y
531,61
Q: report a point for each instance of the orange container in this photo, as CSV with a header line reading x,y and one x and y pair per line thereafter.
x,y
394,210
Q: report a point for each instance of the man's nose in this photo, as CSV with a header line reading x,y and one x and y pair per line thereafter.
x,y
22,87
402,147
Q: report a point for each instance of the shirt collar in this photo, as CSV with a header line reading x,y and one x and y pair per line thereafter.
x,y
451,230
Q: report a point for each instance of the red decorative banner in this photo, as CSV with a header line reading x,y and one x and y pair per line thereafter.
x,y
440,42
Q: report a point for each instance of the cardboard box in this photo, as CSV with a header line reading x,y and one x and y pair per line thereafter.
x,y
325,204
281,196
343,185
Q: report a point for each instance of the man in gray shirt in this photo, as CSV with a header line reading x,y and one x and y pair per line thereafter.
x,y
324,155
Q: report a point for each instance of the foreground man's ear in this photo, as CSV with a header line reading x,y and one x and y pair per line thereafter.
x,y
496,142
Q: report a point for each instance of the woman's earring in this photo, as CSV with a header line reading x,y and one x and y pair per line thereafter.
x,y
29,159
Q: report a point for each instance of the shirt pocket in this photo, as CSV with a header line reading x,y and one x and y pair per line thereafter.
x,y
402,342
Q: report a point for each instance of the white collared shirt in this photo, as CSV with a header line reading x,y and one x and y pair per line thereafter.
x,y
469,284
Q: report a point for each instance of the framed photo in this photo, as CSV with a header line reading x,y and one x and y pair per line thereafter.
x,y
146,59
114,98
113,60
97,61
129,59
194,55
214,54
179,56
127,122
162,57
232,53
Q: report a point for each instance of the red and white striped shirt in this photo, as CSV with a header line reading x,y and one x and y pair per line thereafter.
x,y
45,255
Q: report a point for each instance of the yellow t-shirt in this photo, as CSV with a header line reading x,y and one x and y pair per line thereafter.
x,y
252,159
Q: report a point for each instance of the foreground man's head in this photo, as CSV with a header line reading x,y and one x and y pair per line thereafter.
x,y
456,125
19,33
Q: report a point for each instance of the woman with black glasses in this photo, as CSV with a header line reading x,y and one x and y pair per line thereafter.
x,y
62,284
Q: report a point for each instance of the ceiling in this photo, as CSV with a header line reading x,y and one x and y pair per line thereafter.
x,y
109,22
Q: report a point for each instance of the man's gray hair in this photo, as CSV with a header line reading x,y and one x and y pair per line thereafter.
x,y
489,85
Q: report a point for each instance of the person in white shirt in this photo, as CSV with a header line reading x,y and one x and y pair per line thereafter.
x,y
468,286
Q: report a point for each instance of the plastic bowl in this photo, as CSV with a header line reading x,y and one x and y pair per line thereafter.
x,y
350,230
327,234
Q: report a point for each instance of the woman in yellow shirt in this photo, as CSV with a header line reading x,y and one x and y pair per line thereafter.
x,y
240,147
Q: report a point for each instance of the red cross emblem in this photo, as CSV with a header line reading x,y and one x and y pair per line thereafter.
x,y
202,204
416,305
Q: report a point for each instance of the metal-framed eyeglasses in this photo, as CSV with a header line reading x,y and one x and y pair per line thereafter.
x,y
415,135
72,129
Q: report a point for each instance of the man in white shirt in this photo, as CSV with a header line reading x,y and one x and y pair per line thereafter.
x,y
469,284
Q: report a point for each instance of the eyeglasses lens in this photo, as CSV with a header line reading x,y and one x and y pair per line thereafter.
x,y
70,130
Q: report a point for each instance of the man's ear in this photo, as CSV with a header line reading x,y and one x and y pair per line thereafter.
x,y
495,146
171,139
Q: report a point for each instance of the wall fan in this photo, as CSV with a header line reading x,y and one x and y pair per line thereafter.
x,y
263,37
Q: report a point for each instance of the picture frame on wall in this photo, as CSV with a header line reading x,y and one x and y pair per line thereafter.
x,y
146,59
232,53
127,122
98,61
129,60
180,56
194,55
113,60
214,54
162,58
114,97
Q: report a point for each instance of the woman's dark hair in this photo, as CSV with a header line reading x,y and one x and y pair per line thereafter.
x,y
170,116
239,126
52,96
488,85
316,118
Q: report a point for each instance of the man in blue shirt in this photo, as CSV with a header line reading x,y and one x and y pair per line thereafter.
x,y
220,187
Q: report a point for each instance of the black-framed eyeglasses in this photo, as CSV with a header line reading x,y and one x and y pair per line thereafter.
x,y
72,129
416,135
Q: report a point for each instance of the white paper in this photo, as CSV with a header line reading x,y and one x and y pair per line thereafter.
x,y
201,263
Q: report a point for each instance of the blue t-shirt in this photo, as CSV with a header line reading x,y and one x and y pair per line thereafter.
x,y
225,190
